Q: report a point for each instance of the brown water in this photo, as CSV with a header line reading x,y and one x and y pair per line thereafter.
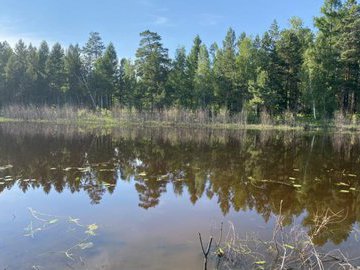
x,y
148,192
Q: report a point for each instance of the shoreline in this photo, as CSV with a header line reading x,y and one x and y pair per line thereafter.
x,y
111,122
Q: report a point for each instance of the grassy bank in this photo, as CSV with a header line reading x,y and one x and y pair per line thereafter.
x,y
169,118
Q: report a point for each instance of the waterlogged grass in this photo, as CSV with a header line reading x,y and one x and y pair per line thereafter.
x,y
112,122
167,118
5,119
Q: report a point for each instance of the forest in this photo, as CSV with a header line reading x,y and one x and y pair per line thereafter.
x,y
297,70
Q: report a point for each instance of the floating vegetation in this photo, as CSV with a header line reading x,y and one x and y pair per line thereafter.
x,y
106,170
292,178
108,184
297,186
3,168
91,229
289,248
42,222
344,191
163,177
84,170
342,184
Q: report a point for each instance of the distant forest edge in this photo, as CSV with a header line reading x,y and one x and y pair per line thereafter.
x,y
296,72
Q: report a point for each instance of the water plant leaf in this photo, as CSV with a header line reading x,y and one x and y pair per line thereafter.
x,y
91,229
106,170
260,262
108,184
297,186
220,252
86,245
76,221
3,168
342,184
344,191
69,255
31,231
53,221
289,246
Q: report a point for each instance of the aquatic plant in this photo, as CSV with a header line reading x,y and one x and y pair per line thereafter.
x,y
290,248
41,222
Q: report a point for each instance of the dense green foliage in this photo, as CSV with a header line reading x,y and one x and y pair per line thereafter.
x,y
294,70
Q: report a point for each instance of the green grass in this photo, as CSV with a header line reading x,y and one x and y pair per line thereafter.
x,y
4,120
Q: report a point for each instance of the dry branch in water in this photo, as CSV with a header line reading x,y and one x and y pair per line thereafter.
x,y
289,248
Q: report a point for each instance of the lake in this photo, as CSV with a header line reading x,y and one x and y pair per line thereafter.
x,y
136,198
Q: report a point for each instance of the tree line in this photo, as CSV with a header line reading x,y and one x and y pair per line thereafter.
x,y
296,70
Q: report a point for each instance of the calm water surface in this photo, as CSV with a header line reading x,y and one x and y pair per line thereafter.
x,y
136,198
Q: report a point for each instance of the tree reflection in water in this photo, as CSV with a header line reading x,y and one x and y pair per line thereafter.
x,y
242,170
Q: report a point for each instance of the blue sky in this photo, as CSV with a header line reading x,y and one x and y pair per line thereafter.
x,y
121,21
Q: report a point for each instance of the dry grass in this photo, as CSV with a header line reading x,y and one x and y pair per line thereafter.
x,y
289,248
72,114
170,117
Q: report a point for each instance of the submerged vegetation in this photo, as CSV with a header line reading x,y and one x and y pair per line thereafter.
x,y
240,170
44,222
237,171
290,247
281,74
117,116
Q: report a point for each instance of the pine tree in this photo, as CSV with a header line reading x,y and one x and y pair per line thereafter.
x,y
74,69
177,81
106,77
349,47
55,68
203,80
245,69
16,74
92,51
5,54
152,65
226,92
328,25
191,67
